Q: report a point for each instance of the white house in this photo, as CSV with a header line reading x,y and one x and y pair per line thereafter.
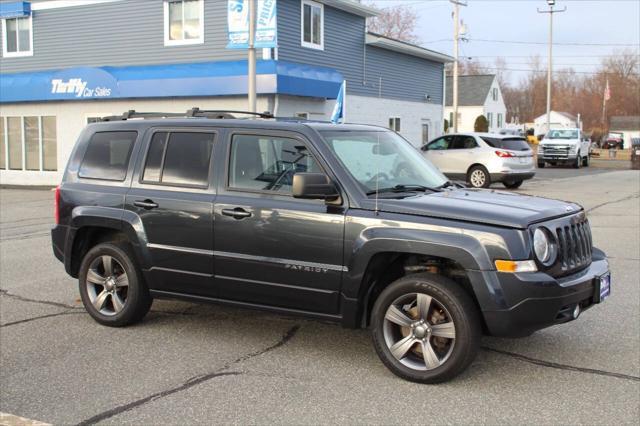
x,y
477,95
628,126
559,120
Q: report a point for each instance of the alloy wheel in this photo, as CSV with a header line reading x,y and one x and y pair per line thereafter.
x,y
107,285
419,331
477,178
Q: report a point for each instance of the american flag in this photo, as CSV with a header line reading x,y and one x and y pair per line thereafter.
x,y
607,92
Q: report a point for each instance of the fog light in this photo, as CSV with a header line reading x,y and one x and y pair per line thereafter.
x,y
576,311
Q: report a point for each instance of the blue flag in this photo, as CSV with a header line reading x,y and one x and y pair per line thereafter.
x,y
339,108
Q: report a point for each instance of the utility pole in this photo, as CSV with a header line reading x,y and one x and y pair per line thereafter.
x,y
456,40
551,11
252,56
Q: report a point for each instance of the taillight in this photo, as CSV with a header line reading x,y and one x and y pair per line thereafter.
x,y
57,205
504,154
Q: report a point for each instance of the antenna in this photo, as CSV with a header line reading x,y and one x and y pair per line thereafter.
x,y
375,209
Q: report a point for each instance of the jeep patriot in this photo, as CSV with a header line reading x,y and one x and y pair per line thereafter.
x,y
347,223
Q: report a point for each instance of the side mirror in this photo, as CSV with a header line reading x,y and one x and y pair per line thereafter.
x,y
314,186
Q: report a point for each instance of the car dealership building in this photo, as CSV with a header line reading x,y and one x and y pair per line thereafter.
x,y
66,63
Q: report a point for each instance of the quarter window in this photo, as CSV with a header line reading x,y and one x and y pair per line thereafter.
x,y
312,25
266,163
184,22
107,155
17,37
179,159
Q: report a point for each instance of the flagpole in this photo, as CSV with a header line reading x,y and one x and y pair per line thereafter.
x,y
344,103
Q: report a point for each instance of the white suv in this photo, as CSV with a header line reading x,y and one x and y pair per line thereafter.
x,y
482,158
562,146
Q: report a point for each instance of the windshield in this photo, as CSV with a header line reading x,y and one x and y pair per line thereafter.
x,y
563,134
380,160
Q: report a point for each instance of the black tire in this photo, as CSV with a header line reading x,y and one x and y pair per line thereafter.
x,y
137,301
485,182
512,185
541,164
578,162
457,304
585,161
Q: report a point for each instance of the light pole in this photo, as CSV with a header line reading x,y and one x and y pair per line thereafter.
x,y
252,57
456,40
551,11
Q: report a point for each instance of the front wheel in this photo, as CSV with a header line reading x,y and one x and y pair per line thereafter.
x,y
541,164
585,161
425,328
111,286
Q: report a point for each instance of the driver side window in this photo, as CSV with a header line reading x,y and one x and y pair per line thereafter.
x,y
440,144
268,163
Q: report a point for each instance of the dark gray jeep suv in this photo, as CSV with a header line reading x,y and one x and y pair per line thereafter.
x,y
347,223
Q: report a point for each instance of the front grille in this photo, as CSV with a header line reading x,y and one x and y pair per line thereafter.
x,y
556,151
574,246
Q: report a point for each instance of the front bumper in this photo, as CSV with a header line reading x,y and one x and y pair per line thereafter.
x,y
511,177
538,300
547,157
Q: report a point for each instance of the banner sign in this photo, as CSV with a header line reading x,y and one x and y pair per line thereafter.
x,y
238,24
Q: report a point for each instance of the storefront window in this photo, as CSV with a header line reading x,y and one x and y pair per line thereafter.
x,y
14,130
49,144
33,137
32,143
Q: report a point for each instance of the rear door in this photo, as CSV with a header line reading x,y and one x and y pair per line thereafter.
x,y
172,194
460,155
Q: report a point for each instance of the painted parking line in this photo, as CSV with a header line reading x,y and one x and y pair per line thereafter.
x,y
11,420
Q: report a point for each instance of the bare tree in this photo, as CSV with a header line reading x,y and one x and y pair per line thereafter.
x,y
398,22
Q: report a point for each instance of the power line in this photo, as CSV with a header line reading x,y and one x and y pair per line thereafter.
x,y
538,42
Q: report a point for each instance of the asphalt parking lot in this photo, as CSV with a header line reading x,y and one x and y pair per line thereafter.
x,y
188,364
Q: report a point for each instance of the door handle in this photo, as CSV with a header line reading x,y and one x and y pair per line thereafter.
x,y
145,204
237,213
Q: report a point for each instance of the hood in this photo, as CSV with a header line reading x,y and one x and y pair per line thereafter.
x,y
499,208
559,141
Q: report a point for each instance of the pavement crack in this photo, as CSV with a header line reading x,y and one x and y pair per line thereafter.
x,y
39,318
193,381
42,302
566,367
630,197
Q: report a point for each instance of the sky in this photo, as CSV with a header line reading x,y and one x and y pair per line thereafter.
x,y
600,27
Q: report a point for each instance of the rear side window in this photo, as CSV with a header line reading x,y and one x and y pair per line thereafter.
x,y
179,158
512,144
107,155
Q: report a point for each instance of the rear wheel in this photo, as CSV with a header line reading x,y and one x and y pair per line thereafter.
x,y
111,286
478,177
585,161
512,185
425,328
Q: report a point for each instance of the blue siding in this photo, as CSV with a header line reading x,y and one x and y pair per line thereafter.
x,y
403,76
344,50
344,35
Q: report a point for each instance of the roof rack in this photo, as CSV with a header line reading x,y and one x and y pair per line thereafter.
x,y
193,112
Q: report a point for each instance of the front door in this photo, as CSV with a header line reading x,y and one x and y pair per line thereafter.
x,y
462,153
173,194
270,248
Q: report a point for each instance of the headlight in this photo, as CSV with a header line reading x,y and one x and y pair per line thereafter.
x,y
574,148
543,247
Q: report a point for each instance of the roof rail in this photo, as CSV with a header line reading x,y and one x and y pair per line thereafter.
x,y
197,112
193,112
